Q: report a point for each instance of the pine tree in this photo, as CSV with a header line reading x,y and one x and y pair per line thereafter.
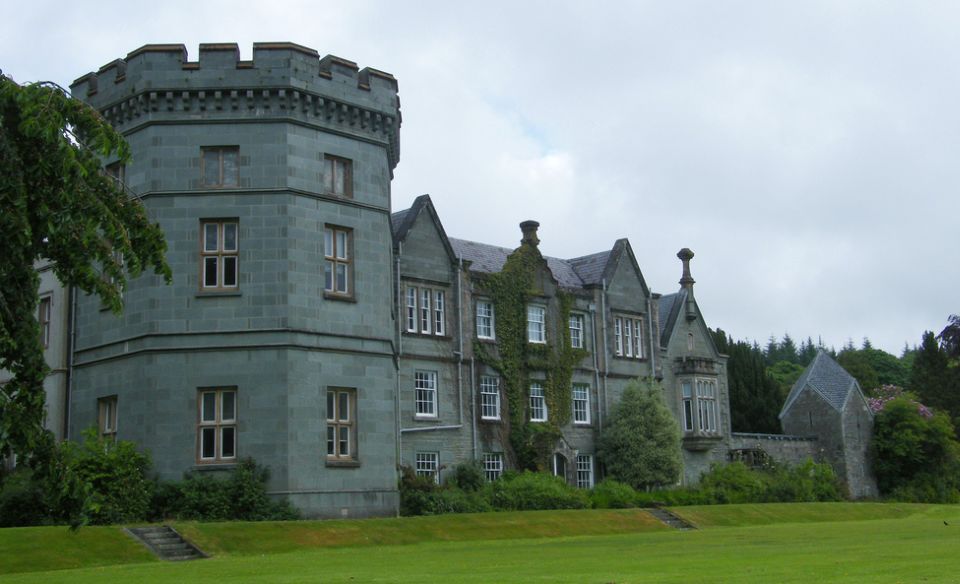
x,y
788,350
931,378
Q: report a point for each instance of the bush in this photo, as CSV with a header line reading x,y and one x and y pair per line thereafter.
x,y
534,490
468,476
611,494
732,483
117,474
21,500
241,495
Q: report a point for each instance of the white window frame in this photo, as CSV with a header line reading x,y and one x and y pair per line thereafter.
x,y
627,337
581,403
338,252
412,313
439,315
44,314
576,331
585,471
427,464
425,393
536,324
489,397
486,320
220,254
538,403
426,317
107,416
707,416
686,405
492,466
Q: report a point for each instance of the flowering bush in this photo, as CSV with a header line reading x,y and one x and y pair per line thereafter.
x,y
886,393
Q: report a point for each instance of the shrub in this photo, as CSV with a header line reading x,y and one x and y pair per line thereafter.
x,y
641,444
468,476
21,500
732,483
611,494
117,474
534,490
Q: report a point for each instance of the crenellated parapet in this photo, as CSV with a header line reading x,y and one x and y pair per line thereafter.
x,y
158,84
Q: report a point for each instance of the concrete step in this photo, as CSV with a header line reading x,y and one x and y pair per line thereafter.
x,y
166,543
671,519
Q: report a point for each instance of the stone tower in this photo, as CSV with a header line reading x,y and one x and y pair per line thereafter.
x,y
271,179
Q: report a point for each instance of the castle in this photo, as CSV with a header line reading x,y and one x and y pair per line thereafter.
x,y
310,327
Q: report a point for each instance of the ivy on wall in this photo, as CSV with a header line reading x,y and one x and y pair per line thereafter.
x,y
518,362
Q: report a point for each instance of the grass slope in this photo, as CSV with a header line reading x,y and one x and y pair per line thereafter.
x,y
779,543
57,548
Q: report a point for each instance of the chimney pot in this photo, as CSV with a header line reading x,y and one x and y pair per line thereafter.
x,y
685,255
529,230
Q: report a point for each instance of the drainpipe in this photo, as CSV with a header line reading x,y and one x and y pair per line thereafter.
x,y
606,356
400,317
71,343
653,349
473,401
459,352
596,359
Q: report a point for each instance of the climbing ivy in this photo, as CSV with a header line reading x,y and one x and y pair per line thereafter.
x,y
511,290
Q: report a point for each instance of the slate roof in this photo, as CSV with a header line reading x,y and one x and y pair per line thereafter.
x,y
490,259
826,377
590,268
396,219
669,307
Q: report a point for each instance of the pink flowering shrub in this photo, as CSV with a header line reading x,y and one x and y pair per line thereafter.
x,y
884,394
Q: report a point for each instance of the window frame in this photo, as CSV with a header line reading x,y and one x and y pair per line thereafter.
x,y
413,313
107,416
488,403
584,465
332,260
330,163
220,255
338,424
427,464
537,329
584,420
426,394
221,174
538,402
482,317
628,337
44,319
425,310
219,424
687,422
578,340
706,393
492,466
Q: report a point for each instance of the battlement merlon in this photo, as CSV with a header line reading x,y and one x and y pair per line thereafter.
x,y
155,82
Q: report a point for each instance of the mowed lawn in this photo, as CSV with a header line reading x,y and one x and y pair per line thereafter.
x,y
738,543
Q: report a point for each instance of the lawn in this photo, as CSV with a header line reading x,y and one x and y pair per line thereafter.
x,y
775,543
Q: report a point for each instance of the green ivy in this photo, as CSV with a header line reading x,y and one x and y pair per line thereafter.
x,y
511,290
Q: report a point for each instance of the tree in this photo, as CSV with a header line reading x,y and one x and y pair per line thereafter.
x,y
933,379
60,206
950,337
755,397
640,445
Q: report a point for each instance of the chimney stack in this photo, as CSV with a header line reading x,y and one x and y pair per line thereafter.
x,y
529,229
687,282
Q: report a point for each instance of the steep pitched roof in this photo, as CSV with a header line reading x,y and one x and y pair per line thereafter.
x,y
670,305
402,221
591,267
828,379
490,259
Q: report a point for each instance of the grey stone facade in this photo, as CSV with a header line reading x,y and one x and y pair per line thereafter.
x,y
342,341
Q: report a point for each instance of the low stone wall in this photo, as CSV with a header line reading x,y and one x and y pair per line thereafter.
x,y
779,447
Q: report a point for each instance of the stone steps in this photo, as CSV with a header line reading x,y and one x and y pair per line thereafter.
x,y
166,543
671,519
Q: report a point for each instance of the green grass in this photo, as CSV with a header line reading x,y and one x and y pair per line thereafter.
x,y
57,548
852,543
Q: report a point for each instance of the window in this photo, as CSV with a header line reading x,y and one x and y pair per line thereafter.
x,y
492,466
687,391
425,311
536,326
707,405
627,337
581,403
43,317
584,471
107,417
538,403
336,250
118,172
218,165
219,255
485,320
428,465
217,426
439,321
425,387
338,176
341,424
411,310
489,398
576,331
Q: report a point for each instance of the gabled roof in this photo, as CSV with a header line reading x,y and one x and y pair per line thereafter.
x,y
828,379
402,221
596,268
670,307
490,259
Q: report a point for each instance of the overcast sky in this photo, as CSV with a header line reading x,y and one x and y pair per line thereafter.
x,y
806,151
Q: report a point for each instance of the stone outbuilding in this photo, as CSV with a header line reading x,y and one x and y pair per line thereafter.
x,y
827,402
